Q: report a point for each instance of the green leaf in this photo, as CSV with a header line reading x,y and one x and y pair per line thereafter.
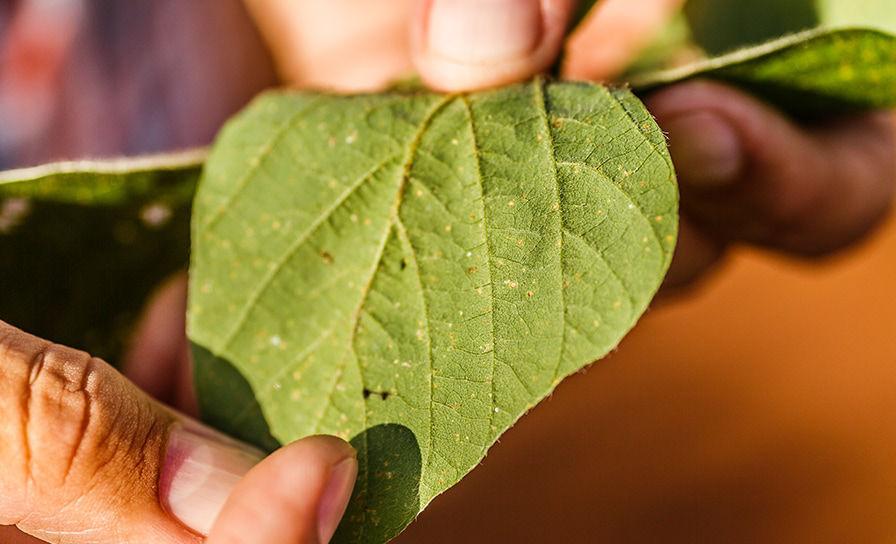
x,y
720,26
820,72
82,244
415,272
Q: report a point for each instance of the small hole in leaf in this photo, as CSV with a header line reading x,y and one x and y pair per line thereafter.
x,y
384,395
404,264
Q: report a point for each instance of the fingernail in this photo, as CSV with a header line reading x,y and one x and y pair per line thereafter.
x,y
483,31
335,498
706,150
200,471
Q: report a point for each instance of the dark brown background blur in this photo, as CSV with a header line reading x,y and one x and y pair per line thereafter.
x,y
759,409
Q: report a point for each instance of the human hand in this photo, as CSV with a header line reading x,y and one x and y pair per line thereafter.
x,y
89,458
454,45
747,173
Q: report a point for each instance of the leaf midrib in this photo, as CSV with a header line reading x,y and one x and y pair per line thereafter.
x,y
405,173
542,107
296,245
489,267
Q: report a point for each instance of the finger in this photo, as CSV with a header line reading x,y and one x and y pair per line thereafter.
x,y
695,255
343,45
158,340
613,35
461,45
749,174
87,457
158,361
297,495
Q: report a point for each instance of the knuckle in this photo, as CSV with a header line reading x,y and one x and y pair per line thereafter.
x,y
74,429
840,193
879,150
796,190
63,418
887,170
60,412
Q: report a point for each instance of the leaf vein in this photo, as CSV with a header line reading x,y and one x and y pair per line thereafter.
x,y
542,108
489,252
256,161
278,265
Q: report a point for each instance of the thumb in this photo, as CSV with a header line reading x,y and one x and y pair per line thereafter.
x,y
298,494
470,44
613,36
89,458
83,451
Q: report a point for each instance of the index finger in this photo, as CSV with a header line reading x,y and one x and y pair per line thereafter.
x,y
613,35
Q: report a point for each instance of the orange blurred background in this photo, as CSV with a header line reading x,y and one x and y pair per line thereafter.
x,y
757,410
760,409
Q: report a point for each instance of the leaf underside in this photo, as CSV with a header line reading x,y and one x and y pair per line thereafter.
x,y
82,244
415,272
811,74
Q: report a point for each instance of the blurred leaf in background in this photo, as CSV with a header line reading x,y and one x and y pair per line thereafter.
x,y
811,74
83,244
720,26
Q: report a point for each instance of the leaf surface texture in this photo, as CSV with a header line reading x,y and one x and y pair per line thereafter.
x,y
415,272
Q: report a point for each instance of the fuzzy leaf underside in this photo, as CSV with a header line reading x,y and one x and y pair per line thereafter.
x,y
83,243
811,74
415,272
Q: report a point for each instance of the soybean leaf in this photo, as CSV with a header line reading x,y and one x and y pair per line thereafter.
x,y
815,73
82,244
720,26
415,272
